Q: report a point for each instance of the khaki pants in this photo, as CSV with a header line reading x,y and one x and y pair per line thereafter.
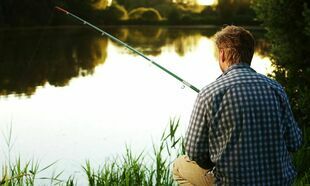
x,y
188,173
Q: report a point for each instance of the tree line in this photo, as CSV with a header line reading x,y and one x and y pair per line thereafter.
x,y
41,13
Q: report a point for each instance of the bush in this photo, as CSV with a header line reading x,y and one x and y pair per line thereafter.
x,y
146,14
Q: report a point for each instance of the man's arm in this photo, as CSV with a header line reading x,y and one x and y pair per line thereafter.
x,y
196,141
292,134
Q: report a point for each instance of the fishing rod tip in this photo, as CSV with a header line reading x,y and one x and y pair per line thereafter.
x,y
61,9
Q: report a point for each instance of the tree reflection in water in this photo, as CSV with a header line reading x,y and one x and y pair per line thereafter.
x,y
32,58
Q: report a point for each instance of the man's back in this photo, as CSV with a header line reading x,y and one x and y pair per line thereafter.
x,y
242,127
248,129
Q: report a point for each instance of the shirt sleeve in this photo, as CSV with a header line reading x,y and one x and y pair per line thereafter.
x,y
292,133
196,139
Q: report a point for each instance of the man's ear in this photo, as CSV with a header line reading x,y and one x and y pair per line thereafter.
x,y
222,55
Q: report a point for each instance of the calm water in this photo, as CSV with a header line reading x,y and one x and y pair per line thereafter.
x,y
72,95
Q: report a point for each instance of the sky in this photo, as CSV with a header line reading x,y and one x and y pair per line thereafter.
x,y
206,2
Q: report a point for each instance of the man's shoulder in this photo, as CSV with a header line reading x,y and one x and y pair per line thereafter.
x,y
215,88
271,83
235,78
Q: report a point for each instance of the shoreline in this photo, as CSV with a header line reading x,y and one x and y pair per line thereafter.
x,y
198,26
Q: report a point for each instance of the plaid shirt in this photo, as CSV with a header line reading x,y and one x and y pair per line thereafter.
x,y
243,123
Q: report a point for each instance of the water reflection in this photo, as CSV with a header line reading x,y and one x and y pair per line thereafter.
x,y
123,101
33,58
150,40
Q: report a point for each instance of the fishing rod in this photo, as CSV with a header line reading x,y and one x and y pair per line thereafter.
x,y
128,47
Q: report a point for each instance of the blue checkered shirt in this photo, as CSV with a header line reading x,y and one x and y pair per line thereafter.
x,y
243,125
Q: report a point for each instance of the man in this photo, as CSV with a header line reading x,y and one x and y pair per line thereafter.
x,y
241,130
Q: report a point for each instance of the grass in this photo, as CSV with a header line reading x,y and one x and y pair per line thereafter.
x,y
128,169
19,173
301,160
139,169
27,174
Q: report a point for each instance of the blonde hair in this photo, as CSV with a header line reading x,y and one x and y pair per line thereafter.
x,y
238,44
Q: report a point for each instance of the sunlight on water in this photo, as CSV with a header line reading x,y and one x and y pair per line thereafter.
x,y
125,100
200,61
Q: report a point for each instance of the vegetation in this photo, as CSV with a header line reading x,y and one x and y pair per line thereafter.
x,y
128,170
141,169
145,14
19,173
289,35
21,13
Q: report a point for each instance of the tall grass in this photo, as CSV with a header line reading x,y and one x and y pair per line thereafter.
x,y
18,174
140,169
24,173
130,168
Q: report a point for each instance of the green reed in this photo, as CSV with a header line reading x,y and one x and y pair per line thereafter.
x,y
23,174
140,169
26,174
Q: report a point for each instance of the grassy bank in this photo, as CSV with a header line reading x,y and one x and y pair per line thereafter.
x,y
128,169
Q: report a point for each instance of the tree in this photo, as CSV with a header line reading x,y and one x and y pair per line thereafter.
x,y
113,14
146,14
100,4
226,9
132,4
25,12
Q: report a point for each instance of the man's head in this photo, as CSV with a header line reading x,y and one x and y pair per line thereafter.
x,y
235,45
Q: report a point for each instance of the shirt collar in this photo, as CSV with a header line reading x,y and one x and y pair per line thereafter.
x,y
236,66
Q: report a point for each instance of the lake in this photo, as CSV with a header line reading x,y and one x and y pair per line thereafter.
x,y
71,95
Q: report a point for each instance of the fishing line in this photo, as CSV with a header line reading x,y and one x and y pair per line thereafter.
x,y
103,33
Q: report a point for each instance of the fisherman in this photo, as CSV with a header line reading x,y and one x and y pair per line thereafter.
x,y
242,129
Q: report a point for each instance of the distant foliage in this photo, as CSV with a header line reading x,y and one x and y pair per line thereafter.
x,y
306,14
100,4
142,13
21,13
113,14
229,11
